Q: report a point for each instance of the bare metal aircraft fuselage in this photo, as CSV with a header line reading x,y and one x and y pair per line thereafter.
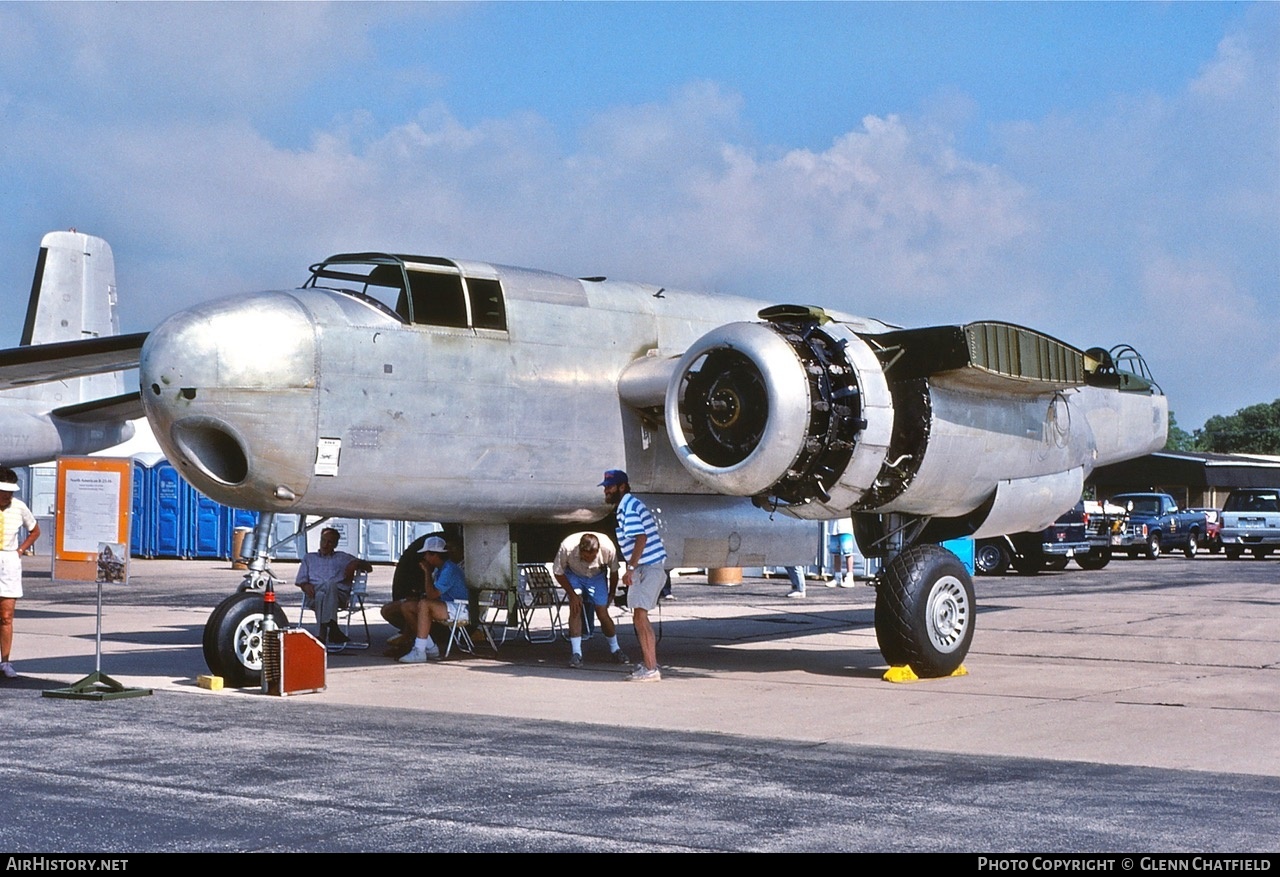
x,y
430,389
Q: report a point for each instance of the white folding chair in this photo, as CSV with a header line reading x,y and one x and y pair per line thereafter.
x,y
458,633
538,590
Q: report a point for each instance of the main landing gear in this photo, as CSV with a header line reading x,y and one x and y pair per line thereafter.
x,y
925,605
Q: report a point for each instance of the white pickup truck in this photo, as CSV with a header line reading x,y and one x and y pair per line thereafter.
x,y
1251,520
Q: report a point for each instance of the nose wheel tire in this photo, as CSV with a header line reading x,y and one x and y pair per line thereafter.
x,y
925,610
233,639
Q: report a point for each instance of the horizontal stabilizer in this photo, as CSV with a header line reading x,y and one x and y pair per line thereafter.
x,y
23,366
127,406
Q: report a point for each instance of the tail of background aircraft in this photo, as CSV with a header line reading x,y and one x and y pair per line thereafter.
x,y
62,390
73,298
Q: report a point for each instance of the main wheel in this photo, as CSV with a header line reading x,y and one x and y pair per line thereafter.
x,y
1152,551
1056,562
925,611
1193,544
1096,558
233,638
1234,553
990,559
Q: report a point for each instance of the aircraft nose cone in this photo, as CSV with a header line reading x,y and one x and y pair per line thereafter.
x,y
221,383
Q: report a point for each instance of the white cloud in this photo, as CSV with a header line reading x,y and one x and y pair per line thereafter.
x,y
1151,220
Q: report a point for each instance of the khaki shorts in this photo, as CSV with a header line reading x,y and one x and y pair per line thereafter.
x,y
646,584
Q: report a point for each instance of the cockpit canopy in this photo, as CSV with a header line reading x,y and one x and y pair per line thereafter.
x,y
423,290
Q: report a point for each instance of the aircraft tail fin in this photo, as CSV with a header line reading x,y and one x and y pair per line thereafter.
x,y
73,293
73,298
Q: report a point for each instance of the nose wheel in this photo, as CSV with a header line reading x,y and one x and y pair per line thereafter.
x,y
233,638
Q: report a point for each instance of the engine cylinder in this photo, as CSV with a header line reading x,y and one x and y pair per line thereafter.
x,y
794,411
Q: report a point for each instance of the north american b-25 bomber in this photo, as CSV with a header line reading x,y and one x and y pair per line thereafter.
x,y
424,388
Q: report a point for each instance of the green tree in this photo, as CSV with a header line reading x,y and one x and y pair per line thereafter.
x,y
1179,439
1251,430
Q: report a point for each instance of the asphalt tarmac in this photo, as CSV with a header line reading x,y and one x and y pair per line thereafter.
x,y
1132,709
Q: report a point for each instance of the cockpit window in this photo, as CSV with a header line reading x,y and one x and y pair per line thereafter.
x,y
377,284
438,299
416,289
487,309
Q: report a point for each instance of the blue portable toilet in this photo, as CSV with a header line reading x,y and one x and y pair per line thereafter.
x,y
142,538
207,526
139,526
173,500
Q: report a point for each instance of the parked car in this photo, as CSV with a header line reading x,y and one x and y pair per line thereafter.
x,y
1102,521
1212,539
1155,523
1028,553
1251,520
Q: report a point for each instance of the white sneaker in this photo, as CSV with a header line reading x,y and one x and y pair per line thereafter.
x,y
420,656
847,583
795,594
6,669
644,674
837,582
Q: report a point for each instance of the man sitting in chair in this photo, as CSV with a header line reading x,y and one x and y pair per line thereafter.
x,y
325,577
445,596
586,566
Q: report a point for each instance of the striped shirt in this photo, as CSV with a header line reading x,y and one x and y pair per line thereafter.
x,y
635,518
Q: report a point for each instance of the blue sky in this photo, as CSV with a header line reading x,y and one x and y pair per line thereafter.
x,y
1104,172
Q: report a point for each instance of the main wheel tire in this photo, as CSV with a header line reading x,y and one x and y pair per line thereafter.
x,y
925,611
233,638
990,559
1233,553
1193,544
1152,551
1056,563
1097,558
1260,553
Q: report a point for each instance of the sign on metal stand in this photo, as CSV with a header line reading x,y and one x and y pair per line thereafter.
x,y
91,543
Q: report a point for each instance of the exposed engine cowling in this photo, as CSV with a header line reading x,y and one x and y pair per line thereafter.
x,y
794,411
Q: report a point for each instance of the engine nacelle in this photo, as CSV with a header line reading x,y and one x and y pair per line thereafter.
x,y
794,410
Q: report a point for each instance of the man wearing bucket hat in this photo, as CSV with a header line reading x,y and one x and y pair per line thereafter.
x,y
645,555
444,597
14,515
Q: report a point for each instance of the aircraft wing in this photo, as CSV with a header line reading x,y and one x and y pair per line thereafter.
x,y
127,406
41,363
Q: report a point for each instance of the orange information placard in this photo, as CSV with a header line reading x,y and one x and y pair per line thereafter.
x,y
93,509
